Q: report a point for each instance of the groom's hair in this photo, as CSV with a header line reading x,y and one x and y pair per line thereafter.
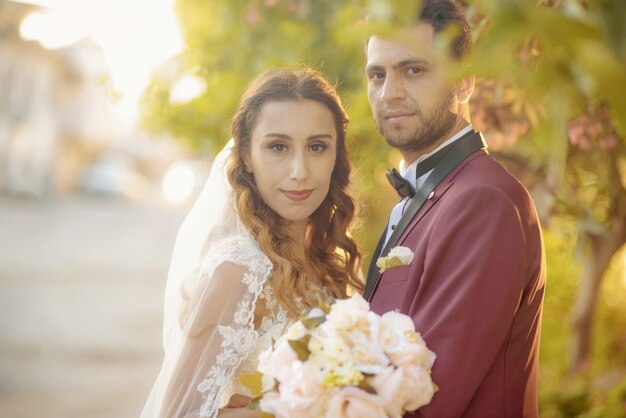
x,y
442,14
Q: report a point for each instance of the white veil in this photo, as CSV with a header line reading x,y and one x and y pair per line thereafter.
x,y
211,219
216,276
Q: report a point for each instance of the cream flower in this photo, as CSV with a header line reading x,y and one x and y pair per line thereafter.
x,y
391,385
398,256
351,402
348,314
421,384
326,364
298,390
277,362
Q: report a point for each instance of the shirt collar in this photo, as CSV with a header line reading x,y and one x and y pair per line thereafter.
x,y
409,172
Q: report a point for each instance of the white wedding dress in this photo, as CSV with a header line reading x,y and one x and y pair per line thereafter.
x,y
220,312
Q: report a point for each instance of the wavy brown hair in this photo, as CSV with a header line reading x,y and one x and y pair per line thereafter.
x,y
332,260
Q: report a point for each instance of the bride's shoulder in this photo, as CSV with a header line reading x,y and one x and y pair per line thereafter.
x,y
243,251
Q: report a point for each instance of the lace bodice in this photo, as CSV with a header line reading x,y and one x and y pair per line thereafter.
x,y
242,342
272,327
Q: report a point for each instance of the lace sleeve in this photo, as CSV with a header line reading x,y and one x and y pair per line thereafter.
x,y
212,332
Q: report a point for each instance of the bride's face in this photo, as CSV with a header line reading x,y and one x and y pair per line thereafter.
x,y
292,155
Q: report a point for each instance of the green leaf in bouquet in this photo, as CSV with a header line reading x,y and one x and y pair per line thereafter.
x,y
301,347
366,386
254,405
254,382
310,323
324,306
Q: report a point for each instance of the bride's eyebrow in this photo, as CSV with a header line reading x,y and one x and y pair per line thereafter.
x,y
319,136
276,135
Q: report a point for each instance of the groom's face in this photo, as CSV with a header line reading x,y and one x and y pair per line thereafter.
x,y
409,91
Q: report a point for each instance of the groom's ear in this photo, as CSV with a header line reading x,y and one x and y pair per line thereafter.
x,y
464,89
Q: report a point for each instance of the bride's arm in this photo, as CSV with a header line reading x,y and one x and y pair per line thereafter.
x,y
202,351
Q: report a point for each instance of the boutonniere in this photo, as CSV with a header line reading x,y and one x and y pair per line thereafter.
x,y
398,256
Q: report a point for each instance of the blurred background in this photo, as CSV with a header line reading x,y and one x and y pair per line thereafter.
x,y
110,113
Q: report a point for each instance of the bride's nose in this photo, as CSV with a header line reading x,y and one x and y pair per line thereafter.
x,y
299,169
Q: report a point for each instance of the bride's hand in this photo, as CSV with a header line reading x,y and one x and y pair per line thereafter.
x,y
237,408
238,413
238,401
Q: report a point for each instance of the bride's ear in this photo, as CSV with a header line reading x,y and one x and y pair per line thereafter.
x,y
245,156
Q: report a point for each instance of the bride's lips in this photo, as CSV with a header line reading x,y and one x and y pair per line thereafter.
x,y
297,195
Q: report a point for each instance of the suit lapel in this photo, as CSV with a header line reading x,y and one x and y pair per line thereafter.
x,y
372,271
424,193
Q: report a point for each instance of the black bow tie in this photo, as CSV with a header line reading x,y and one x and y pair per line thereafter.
x,y
403,186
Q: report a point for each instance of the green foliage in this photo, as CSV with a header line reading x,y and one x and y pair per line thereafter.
x,y
550,93
602,392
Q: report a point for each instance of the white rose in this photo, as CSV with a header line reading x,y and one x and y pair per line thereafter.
x,y
393,329
404,254
349,314
278,361
421,387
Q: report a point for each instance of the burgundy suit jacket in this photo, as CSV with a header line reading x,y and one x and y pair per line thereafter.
x,y
475,291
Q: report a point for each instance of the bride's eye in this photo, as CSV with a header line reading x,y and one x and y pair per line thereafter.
x,y
278,147
317,147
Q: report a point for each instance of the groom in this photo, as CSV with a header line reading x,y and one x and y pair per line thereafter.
x,y
476,282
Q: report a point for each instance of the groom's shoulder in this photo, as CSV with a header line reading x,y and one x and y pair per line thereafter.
x,y
486,170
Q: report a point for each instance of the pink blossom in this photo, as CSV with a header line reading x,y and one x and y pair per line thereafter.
x,y
393,328
298,390
277,362
609,142
412,354
352,402
422,389
391,386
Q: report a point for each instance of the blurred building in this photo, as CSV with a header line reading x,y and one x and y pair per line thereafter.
x,y
54,109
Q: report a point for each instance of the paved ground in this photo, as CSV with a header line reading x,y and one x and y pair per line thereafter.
x,y
81,287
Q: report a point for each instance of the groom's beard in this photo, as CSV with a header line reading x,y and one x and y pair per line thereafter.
x,y
429,130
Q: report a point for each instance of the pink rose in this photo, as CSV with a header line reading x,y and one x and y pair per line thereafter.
x,y
393,328
392,386
349,313
277,362
412,354
421,387
298,390
351,402
367,355
272,404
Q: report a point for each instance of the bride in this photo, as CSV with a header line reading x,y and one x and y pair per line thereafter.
x,y
266,240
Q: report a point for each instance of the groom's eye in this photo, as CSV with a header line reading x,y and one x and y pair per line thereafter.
x,y
413,71
376,76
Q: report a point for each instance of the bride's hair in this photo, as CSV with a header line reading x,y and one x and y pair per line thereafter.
x,y
332,260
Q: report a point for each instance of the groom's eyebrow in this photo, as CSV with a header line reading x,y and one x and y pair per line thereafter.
x,y
408,62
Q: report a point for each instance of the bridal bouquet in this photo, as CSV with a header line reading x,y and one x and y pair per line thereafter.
x,y
345,361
